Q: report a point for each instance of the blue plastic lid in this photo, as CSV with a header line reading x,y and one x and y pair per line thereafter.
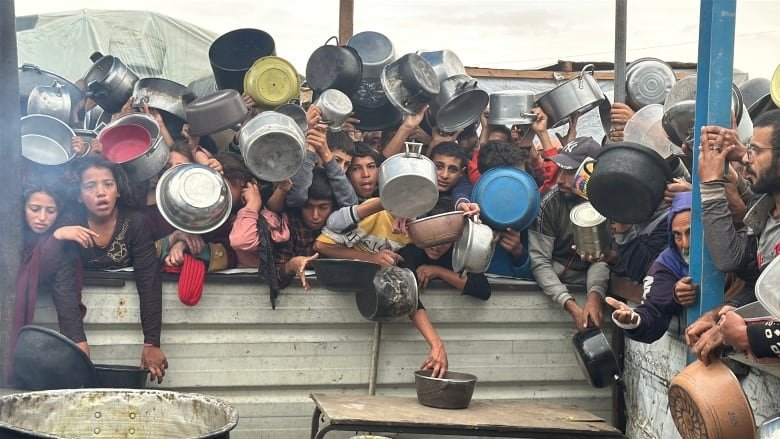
x,y
507,198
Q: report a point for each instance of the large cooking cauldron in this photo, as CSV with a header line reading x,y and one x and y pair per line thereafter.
x,y
113,414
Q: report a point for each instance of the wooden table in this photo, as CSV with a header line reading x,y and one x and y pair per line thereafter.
x,y
390,414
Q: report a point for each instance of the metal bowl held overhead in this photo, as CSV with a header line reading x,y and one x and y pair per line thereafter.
x,y
232,54
273,146
334,67
648,81
193,198
591,230
445,63
437,229
394,295
140,162
459,104
46,140
109,82
452,391
407,183
44,359
409,83
272,81
51,100
349,275
215,112
577,95
163,94
507,198
685,90
115,413
473,251
511,107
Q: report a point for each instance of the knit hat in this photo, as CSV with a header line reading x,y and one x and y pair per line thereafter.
x,y
191,279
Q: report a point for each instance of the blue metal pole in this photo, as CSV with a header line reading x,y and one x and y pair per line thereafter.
x,y
713,107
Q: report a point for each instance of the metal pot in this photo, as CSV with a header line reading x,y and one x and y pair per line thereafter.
x,y
648,81
109,82
140,164
511,107
394,295
437,229
116,376
708,401
51,100
474,250
595,357
460,103
334,67
46,140
273,146
384,117
678,122
351,275
591,230
31,76
335,107
272,81
215,112
577,95
445,63
193,198
685,90
375,51
409,83
297,113
136,413
233,53
163,94
44,359
756,96
452,391
407,183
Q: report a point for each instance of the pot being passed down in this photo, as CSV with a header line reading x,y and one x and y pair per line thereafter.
x,y
394,295
407,183
595,357
473,251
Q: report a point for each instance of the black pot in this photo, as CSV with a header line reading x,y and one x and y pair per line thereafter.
x,y
346,275
232,54
376,118
114,376
628,182
337,67
44,359
595,357
394,294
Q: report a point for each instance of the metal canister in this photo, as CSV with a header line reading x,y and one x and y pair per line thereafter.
x,y
591,230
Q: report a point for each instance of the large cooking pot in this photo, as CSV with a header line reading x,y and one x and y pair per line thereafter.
x,y
296,112
272,81
678,122
595,357
215,112
109,82
31,76
115,413
407,183
334,67
273,146
511,107
384,117
46,140
233,53
394,295
708,402
44,359
409,83
445,63
460,103
51,100
118,376
351,275
577,95
507,198
591,230
648,81
685,90
375,51
163,94
335,107
140,162
628,182
193,198
473,251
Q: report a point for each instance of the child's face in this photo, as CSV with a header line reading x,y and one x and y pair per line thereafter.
x,y
342,159
448,171
438,251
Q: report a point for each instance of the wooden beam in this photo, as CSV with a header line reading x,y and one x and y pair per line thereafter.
x,y
10,178
346,15
607,75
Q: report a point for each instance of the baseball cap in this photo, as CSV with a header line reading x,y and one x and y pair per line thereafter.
x,y
572,155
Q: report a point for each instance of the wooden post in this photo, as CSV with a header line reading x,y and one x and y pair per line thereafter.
x,y
619,83
346,14
10,177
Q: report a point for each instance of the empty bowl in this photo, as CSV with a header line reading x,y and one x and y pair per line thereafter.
x,y
193,198
454,391
437,229
44,359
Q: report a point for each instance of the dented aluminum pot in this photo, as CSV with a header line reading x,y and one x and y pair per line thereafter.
x,y
273,146
409,83
459,104
51,100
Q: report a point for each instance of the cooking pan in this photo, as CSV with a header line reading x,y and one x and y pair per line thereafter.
x,y
233,53
163,94
345,275
394,295
109,82
510,107
459,103
334,67
215,112
51,100
577,95
595,357
409,83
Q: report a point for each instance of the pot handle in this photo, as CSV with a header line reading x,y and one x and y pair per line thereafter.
x,y
57,86
413,148
467,84
330,39
27,66
590,67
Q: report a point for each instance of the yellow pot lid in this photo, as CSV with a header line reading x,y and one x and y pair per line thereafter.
x,y
272,81
774,88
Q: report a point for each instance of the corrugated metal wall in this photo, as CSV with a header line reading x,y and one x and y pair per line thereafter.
x,y
266,362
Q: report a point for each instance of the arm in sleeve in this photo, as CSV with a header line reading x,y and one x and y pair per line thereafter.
x,y
343,190
301,181
638,251
477,286
146,267
598,278
65,295
728,247
657,308
244,235
343,219
540,248
461,193
764,339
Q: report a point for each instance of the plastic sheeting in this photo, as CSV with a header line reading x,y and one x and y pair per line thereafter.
x,y
149,43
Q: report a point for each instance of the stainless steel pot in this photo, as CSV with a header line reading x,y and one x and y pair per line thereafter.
x,y
591,230
335,107
193,198
577,95
511,107
109,82
685,90
215,112
150,162
51,100
445,63
648,81
273,146
163,94
460,103
407,183
473,251
46,140
409,83
375,51
31,76
394,295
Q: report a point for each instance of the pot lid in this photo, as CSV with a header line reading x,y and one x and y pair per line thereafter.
x,y
585,215
649,81
272,81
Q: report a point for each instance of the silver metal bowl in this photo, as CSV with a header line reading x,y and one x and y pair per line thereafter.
x,y
46,140
193,198
454,391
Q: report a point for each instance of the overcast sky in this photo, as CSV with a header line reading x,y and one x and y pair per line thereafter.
x,y
485,33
